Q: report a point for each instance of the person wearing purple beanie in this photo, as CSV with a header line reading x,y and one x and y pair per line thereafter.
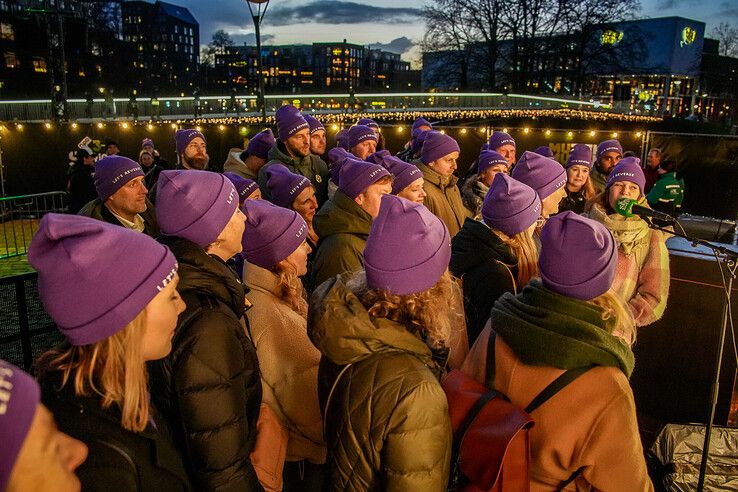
x,y
317,136
122,199
607,156
412,147
246,163
544,175
477,185
362,141
642,278
208,388
388,326
276,250
342,139
408,179
438,163
292,149
192,149
579,188
377,131
569,320
35,455
503,143
247,189
120,316
295,192
497,254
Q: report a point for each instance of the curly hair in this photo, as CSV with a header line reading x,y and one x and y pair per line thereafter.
x,y
291,290
613,307
425,313
525,251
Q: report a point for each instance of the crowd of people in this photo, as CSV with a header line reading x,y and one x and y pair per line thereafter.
x,y
287,324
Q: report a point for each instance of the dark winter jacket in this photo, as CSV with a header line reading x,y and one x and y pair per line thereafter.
x,y
209,386
311,166
124,460
97,210
343,228
81,186
387,425
574,201
487,267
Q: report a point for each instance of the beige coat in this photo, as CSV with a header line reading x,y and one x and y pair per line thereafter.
x,y
289,365
443,198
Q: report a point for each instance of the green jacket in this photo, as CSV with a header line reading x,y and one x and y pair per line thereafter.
x,y
96,210
311,166
598,179
443,199
387,425
342,227
668,189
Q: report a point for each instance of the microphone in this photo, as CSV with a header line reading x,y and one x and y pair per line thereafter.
x,y
627,207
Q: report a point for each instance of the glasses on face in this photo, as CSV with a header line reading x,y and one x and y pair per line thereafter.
x,y
196,146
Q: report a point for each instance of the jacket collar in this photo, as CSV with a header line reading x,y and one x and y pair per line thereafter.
x,y
258,278
429,174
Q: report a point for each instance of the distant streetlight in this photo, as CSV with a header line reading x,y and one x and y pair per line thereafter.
x,y
258,9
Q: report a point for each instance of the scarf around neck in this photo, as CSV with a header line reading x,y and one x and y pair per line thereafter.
x,y
631,233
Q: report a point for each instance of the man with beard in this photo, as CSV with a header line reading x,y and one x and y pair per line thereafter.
x,y
292,149
192,153
608,154
317,136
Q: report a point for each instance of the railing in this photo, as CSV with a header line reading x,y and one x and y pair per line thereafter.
x,y
19,216
181,107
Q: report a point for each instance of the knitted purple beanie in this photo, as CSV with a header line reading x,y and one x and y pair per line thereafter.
x,y
628,169
378,157
147,142
581,155
314,124
510,206
408,248
356,176
113,172
114,272
194,205
578,256
417,140
183,138
421,122
360,133
20,395
437,145
403,172
368,122
498,139
336,157
244,186
609,146
545,151
490,158
261,143
540,173
289,121
272,233
284,185
342,139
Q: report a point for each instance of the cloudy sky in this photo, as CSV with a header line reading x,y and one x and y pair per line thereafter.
x,y
381,21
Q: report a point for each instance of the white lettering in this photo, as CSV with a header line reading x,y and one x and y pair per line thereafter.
x,y
125,173
167,280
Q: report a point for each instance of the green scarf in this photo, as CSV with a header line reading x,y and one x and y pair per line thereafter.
x,y
544,328
631,233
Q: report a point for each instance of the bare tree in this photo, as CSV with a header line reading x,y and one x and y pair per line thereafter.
x,y
727,35
219,45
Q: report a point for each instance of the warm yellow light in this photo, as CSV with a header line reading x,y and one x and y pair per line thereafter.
x,y
19,126
526,130
244,130
638,134
482,129
463,131
150,126
548,132
614,134
569,134
592,133
334,127
443,131
100,124
198,128
174,126
74,126
47,126
400,129
504,130
124,126
221,127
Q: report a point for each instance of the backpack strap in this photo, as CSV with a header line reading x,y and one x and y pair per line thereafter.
x,y
489,380
557,385
330,395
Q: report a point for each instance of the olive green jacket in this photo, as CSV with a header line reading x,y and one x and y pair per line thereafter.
x,y
387,424
342,227
311,166
443,199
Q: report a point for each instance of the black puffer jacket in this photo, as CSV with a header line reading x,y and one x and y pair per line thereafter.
x,y
574,201
487,268
81,186
124,460
209,386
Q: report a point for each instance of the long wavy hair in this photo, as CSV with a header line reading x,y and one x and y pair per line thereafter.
x,y
613,307
112,369
525,251
291,290
427,313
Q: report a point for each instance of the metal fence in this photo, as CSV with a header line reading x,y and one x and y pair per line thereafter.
x,y
19,216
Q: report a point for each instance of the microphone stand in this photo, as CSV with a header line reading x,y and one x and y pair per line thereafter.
x,y
730,258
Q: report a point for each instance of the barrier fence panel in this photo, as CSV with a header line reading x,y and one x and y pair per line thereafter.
x,y
19,216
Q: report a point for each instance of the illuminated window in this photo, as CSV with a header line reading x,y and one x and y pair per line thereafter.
x,y
11,61
6,31
39,65
610,37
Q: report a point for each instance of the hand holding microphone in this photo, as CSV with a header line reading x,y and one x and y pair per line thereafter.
x,y
627,207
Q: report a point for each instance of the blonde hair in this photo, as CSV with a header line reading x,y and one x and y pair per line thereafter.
x,y
427,313
291,290
525,251
589,189
112,368
613,307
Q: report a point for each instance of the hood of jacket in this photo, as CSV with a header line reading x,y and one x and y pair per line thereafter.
x,y
200,272
341,215
476,244
342,329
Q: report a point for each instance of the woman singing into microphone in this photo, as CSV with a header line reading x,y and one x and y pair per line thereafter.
x,y
642,277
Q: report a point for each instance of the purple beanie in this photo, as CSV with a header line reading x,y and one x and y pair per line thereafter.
x,y
609,146
628,169
183,138
284,185
390,263
421,122
417,140
147,141
498,139
244,186
21,396
403,172
342,139
437,145
115,272
578,256
113,172
261,143
336,157
359,133
485,146
581,155
378,157
194,205
490,158
314,124
545,151
356,176
368,122
272,233
510,206
289,121
540,173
